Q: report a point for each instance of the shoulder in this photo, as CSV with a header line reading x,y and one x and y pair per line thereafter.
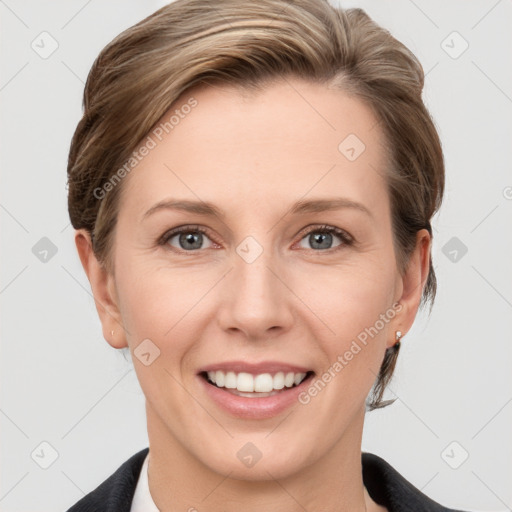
x,y
388,487
115,494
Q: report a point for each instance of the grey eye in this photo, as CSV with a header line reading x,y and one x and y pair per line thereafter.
x,y
320,240
189,240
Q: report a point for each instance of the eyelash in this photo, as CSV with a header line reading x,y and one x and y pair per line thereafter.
x,y
345,238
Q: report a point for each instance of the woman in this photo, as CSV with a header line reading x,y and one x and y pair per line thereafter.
x,y
252,185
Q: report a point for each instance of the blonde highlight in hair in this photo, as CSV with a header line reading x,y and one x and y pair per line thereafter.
x,y
142,72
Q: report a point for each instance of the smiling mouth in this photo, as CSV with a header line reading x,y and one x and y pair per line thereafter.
x,y
255,386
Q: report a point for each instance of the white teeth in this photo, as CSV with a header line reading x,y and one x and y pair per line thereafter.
x,y
278,380
261,383
219,377
230,380
297,379
244,382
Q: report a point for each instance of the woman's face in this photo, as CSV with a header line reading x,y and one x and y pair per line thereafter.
x,y
263,288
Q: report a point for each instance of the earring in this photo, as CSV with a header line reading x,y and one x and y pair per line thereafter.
x,y
398,335
112,333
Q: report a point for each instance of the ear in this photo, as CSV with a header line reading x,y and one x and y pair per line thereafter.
x,y
413,282
103,290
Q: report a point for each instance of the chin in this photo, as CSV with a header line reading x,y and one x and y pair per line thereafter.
x,y
258,460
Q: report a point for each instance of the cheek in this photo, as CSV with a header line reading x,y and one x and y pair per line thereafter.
x,y
158,305
155,300
352,296
356,306
358,309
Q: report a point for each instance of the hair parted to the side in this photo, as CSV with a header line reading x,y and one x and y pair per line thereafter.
x,y
140,74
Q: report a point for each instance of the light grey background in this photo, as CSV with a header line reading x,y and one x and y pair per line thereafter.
x,y
64,385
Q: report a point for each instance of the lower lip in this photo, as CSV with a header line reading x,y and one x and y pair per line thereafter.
x,y
255,408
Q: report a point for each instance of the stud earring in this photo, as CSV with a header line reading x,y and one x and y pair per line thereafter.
x,y
398,336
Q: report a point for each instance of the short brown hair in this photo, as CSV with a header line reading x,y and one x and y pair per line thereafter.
x,y
140,74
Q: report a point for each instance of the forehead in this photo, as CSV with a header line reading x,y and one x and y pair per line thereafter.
x,y
286,140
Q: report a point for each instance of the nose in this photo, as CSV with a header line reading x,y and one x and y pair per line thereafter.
x,y
255,297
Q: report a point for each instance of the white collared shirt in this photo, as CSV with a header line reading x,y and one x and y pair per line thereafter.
x,y
142,500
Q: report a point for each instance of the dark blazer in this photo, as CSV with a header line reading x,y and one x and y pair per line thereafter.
x,y
384,484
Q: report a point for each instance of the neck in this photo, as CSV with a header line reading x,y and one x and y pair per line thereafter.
x,y
179,481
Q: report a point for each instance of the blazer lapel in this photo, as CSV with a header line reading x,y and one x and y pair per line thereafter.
x,y
115,494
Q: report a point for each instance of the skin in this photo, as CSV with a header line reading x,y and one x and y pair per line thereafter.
x,y
253,156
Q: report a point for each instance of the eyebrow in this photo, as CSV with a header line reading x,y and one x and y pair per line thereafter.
x,y
298,208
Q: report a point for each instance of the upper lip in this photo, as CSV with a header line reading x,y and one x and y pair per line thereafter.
x,y
254,368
